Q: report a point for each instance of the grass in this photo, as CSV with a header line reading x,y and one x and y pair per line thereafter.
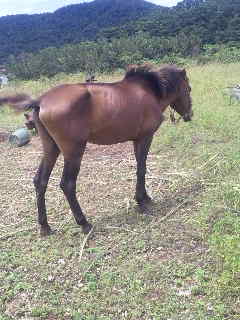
x,y
179,263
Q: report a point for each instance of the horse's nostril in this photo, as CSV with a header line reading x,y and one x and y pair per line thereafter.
x,y
188,117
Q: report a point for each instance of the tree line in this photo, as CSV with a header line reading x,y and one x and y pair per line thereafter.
x,y
103,55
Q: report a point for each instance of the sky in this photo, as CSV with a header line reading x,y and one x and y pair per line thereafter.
x,y
9,7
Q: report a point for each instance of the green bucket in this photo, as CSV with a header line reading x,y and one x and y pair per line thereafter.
x,y
20,137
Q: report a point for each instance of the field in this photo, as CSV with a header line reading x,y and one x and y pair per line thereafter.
x,y
180,262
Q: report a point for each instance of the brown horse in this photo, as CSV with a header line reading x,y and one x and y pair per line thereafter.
x,y
70,115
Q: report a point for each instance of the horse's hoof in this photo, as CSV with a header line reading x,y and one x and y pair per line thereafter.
x,y
144,201
147,200
46,231
145,206
87,228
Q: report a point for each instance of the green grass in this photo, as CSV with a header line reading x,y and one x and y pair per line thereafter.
x,y
180,263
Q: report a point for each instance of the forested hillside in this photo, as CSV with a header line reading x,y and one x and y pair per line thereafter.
x,y
107,34
70,24
213,21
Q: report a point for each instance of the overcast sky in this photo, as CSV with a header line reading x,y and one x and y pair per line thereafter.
x,y
9,7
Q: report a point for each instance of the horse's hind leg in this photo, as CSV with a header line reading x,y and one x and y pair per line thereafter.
x,y
68,184
141,148
50,155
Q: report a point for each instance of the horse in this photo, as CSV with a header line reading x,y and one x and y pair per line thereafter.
x,y
69,116
29,121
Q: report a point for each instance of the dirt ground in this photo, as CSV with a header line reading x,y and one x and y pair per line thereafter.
x,y
105,189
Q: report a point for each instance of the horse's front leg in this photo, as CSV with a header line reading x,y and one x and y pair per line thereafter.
x,y
68,185
141,148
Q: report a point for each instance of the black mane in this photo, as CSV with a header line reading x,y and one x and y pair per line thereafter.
x,y
162,81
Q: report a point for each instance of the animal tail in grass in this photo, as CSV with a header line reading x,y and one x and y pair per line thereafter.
x,y
19,102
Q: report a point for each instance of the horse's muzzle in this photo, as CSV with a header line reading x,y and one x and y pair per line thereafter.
x,y
188,116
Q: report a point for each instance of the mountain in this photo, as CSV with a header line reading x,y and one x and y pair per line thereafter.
x,y
70,24
210,21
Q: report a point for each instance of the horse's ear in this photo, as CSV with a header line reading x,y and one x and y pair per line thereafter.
x,y
183,73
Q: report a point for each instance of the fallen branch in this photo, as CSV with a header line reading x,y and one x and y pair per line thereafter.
x,y
173,210
83,244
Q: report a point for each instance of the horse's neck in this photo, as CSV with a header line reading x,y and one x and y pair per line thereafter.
x,y
165,102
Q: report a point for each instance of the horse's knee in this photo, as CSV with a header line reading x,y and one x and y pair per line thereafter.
x,y
67,186
39,184
36,181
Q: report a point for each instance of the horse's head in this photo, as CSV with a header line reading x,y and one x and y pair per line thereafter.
x,y
30,122
183,102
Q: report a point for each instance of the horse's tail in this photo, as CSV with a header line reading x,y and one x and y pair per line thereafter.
x,y
20,102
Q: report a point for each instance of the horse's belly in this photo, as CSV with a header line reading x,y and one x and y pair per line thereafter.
x,y
112,136
104,140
